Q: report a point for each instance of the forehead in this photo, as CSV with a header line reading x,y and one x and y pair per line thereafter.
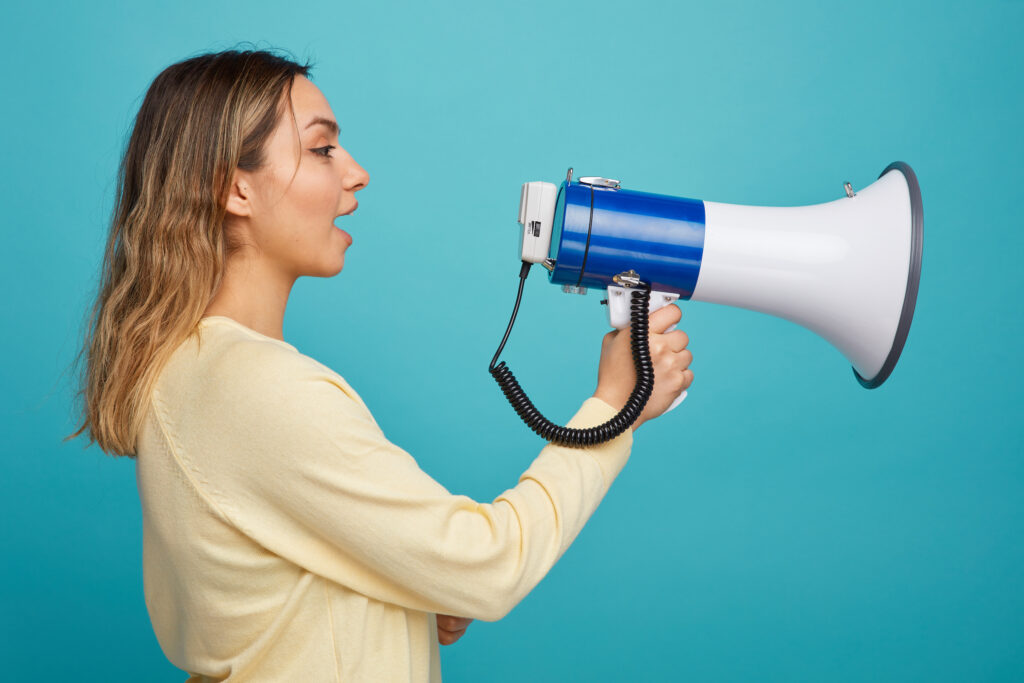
x,y
309,103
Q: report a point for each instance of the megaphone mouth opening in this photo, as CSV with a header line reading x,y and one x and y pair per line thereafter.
x,y
913,277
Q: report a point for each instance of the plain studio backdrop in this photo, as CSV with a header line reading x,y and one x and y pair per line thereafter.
x,y
783,524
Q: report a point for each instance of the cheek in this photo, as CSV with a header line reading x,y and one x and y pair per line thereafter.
x,y
312,204
303,220
320,245
318,198
312,195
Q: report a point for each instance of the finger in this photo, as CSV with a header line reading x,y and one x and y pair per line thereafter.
x,y
677,340
451,631
448,637
684,358
450,623
664,318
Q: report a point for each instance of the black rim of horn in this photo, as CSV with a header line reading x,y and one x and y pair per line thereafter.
x,y
913,276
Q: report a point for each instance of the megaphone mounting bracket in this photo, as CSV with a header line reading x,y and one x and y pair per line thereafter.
x,y
630,278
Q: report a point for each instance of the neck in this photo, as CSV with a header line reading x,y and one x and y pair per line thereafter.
x,y
253,293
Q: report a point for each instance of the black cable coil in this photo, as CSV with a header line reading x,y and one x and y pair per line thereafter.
x,y
567,436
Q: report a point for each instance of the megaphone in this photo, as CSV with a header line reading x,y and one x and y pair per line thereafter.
x,y
847,269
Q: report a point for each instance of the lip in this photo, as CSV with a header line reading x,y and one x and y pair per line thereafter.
x,y
351,210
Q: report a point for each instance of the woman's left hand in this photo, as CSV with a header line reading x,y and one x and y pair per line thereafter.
x,y
450,629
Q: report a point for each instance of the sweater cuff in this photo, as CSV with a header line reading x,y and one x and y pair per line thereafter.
x,y
612,455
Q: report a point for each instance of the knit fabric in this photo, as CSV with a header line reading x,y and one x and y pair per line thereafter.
x,y
286,539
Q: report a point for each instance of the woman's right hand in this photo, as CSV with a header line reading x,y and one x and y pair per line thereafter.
x,y
616,376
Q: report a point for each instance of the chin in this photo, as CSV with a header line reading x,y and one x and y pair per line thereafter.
x,y
324,267
332,268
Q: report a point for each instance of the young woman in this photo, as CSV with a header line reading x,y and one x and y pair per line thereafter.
x,y
285,538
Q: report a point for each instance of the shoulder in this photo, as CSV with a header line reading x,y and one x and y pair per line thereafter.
x,y
232,356
225,354
222,367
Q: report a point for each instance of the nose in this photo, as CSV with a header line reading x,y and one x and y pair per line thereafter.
x,y
356,177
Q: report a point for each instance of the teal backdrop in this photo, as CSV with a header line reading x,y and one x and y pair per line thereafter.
x,y
783,524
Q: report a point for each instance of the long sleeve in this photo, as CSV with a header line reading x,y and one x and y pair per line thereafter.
x,y
291,456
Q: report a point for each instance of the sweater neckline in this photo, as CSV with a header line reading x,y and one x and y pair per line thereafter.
x,y
234,323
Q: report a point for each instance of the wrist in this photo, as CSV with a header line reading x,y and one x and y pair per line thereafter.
x,y
610,398
616,404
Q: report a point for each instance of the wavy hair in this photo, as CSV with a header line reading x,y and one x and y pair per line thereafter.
x,y
200,120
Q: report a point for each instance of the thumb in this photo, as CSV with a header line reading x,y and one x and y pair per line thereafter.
x,y
664,318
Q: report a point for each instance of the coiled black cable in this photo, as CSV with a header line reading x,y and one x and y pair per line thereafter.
x,y
568,436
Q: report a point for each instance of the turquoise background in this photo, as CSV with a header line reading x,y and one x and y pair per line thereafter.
x,y
783,524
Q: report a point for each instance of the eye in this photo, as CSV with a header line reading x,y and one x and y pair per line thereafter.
x,y
324,151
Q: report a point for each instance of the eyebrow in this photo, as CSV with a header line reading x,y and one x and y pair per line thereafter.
x,y
330,124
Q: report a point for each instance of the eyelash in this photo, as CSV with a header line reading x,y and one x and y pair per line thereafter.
x,y
324,151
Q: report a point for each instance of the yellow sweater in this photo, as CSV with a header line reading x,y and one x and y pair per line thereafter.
x,y
286,539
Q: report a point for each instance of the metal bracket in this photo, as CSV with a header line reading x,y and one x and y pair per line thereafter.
x,y
628,279
598,181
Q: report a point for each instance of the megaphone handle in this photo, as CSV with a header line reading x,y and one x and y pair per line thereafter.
x,y
618,315
680,397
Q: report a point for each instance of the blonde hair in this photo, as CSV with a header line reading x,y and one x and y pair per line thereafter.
x,y
201,119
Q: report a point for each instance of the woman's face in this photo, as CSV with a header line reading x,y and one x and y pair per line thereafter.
x,y
293,225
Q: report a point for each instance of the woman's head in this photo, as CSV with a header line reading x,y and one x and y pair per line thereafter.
x,y
285,208
217,167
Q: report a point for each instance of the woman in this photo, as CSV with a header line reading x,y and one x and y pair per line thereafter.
x,y
285,538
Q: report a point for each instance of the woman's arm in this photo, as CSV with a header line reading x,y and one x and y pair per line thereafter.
x,y
300,466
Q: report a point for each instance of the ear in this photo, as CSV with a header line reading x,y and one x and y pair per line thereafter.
x,y
239,195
